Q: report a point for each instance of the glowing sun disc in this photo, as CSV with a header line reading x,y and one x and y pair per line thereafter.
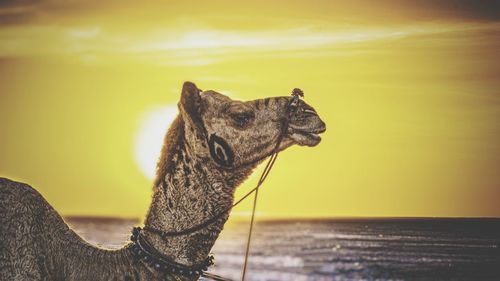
x,y
153,126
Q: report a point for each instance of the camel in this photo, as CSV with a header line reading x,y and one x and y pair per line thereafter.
x,y
212,147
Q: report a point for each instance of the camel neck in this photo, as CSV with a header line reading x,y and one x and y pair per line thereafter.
x,y
189,191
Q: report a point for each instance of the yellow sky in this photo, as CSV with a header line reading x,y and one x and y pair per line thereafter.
x,y
409,92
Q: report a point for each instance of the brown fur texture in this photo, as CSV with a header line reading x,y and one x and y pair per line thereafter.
x,y
195,181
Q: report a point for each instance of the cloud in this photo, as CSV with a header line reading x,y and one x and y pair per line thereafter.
x,y
198,46
87,32
267,40
201,47
103,30
13,14
50,11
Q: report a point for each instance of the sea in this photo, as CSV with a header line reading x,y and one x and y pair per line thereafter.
x,y
341,249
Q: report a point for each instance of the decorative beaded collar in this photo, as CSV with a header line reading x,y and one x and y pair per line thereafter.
x,y
143,251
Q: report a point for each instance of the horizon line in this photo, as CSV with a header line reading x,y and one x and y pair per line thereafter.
x,y
283,219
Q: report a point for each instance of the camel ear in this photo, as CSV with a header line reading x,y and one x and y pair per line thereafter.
x,y
190,104
190,99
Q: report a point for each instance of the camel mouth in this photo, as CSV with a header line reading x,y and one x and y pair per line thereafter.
x,y
307,137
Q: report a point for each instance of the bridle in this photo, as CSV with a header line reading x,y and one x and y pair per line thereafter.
x,y
142,249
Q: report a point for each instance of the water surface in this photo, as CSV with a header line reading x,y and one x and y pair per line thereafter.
x,y
344,249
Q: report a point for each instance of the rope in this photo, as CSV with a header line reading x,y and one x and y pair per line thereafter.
x,y
266,171
215,277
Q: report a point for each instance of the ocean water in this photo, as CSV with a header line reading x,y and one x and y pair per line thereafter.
x,y
344,249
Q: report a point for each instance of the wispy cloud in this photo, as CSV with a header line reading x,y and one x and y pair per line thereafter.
x,y
168,46
88,32
266,40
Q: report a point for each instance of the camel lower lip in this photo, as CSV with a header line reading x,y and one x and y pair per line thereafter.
x,y
306,138
311,134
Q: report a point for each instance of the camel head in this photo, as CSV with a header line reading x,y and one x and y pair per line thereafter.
x,y
236,133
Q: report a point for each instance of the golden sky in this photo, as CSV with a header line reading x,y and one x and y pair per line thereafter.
x,y
410,93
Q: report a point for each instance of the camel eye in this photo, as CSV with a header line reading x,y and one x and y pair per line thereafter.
x,y
242,119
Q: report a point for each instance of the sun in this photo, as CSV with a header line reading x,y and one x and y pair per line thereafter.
x,y
153,125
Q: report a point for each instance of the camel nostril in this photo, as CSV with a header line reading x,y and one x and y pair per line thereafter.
x,y
309,112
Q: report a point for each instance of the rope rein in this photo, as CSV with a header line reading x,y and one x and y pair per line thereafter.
x,y
269,165
143,250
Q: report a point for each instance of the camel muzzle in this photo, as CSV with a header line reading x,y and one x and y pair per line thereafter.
x,y
305,125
